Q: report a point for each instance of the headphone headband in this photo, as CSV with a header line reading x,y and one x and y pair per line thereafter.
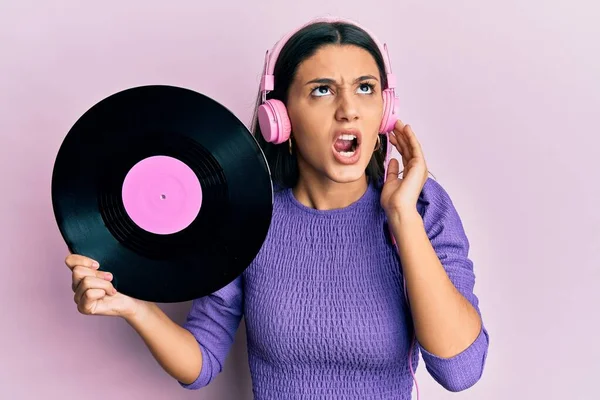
x,y
268,80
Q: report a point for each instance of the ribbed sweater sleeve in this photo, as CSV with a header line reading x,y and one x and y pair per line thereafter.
x,y
447,235
214,320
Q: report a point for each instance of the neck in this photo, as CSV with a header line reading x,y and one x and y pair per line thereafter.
x,y
325,194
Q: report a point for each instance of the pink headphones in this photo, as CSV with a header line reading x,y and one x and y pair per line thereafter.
x,y
273,117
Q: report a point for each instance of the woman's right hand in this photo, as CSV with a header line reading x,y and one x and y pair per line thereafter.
x,y
94,292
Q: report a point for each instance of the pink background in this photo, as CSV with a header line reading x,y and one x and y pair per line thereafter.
x,y
504,96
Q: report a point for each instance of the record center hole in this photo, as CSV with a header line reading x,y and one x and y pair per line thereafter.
x,y
163,196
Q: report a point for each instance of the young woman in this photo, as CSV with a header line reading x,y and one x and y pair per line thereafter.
x,y
360,270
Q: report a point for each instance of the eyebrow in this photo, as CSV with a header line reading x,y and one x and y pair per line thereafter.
x,y
329,81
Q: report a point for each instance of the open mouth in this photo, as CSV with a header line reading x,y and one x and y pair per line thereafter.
x,y
346,145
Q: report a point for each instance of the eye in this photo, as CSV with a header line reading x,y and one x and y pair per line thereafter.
x,y
366,88
320,91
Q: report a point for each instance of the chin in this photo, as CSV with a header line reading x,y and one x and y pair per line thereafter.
x,y
330,168
347,173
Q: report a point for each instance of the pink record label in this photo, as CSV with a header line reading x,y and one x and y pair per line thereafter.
x,y
162,195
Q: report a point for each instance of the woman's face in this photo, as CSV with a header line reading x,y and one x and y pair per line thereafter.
x,y
335,108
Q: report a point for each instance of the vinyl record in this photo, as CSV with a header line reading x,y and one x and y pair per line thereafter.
x,y
166,189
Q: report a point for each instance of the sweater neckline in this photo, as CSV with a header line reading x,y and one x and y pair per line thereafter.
x,y
366,197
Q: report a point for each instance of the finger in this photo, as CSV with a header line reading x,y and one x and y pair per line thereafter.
x,y
414,142
395,141
80,272
393,169
73,260
92,295
398,129
398,144
399,126
92,282
89,301
403,139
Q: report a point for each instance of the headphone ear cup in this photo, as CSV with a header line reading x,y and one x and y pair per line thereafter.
x,y
390,112
274,121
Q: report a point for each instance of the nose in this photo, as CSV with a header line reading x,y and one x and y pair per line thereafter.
x,y
347,108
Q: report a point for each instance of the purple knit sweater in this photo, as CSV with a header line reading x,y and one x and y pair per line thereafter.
x,y
324,307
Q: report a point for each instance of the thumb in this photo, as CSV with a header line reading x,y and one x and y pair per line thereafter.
x,y
393,169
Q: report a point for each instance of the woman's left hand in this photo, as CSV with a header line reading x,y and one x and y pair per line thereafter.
x,y
401,195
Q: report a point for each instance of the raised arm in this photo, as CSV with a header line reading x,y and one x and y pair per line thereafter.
x,y
440,280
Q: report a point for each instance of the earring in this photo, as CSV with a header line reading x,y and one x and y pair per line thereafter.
x,y
378,146
290,145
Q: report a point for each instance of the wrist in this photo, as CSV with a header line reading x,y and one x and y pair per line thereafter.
x,y
404,215
136,313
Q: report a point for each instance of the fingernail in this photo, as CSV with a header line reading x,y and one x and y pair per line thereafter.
x,y
114,291
95,264
108,276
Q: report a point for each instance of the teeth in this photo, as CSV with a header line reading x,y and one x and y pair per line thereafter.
x,y
347,153
347,137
